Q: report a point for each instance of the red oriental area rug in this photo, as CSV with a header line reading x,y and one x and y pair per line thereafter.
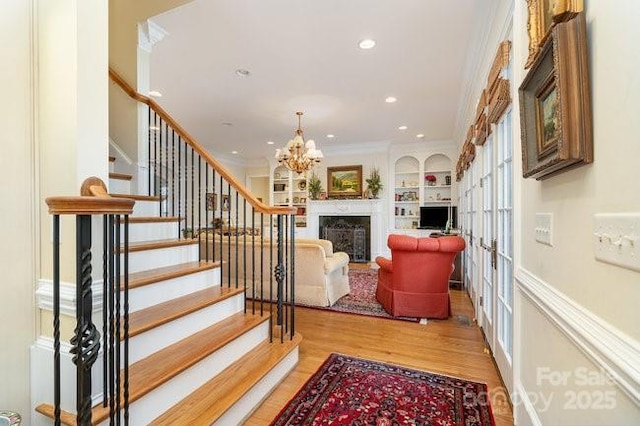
x,y
352,391
362,299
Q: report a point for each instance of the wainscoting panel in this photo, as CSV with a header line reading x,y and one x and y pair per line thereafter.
x,y
610,349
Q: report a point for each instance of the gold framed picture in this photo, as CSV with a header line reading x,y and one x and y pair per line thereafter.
x,y
543,16
555,105
344,182
212,199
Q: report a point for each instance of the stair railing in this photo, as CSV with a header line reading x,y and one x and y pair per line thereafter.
x,y
253,242
86,340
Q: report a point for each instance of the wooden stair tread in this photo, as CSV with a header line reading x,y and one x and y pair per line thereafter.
x,y
159,244
153,219
120,176
158,368
112,159
157,315
137,197
150,276
214,398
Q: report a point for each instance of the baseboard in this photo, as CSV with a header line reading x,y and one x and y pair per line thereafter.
x,y
523,397
609,348
120,152
44,296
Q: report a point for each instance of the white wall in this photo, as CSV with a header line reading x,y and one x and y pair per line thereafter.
x,y
575,316
608,294
17,252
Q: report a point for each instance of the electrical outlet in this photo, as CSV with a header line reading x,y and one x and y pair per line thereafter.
x,y
616,239
544,228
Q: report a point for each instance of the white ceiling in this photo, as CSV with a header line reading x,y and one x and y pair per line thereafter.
x,y
303,55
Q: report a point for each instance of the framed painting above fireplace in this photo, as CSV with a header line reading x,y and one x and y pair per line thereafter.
x,y
344,182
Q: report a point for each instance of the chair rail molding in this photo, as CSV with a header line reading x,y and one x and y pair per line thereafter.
x,y
609,348
44,296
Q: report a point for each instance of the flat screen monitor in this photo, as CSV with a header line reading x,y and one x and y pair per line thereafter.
x,y
435,217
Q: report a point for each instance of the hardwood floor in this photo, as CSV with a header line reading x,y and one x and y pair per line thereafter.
x,y
452,347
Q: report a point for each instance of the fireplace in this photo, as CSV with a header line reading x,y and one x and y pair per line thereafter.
x,y
350,234
376,237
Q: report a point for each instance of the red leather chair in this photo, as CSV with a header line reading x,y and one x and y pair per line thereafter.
x,y
415,282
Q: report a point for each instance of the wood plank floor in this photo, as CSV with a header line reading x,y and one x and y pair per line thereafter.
x,y
451,347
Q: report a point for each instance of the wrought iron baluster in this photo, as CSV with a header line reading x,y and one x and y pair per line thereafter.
x,y
229,232
180,179
244,255
105,307
149,150
293,276
237,231
261,265
118,337
199,195
86,340
56,319
271,271
126,319
114,253
280,272
173,172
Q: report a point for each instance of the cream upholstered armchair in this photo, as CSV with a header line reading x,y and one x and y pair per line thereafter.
x,y
322,275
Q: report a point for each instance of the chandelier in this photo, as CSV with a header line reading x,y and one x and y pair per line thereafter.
x,y
297,155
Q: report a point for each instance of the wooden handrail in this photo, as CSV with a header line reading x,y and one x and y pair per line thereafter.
x,y
83,205
93,200
197,147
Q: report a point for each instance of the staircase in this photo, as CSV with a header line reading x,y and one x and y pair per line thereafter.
x,y
196,354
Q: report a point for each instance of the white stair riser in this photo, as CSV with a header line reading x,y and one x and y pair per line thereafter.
x,y
144,208
157,401
119,186
163,291
151,231
143,345
243,408
158,258
112,166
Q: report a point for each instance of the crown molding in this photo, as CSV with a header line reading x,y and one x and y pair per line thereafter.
x,y
150,33
369,147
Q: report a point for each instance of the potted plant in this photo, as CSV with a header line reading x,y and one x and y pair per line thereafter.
x,y
314,186
187,233
374,182
431,180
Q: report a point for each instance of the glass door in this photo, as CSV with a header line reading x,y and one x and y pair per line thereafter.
x,y
503,350
471,223
487,241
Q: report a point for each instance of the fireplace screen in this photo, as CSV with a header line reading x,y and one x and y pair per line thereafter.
x,y
348,234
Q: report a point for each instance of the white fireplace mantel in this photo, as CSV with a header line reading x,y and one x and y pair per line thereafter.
x,y
371,208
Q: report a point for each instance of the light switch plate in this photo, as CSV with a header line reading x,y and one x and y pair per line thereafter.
x,y
616,239
544,228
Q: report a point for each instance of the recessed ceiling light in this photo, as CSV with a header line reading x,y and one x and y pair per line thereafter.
x,y
420,136
234,152
155,94
366,43
402,128
270,142
242,72
390,100
331,136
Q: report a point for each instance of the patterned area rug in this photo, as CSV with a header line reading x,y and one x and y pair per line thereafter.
x,y
352,391
362,299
